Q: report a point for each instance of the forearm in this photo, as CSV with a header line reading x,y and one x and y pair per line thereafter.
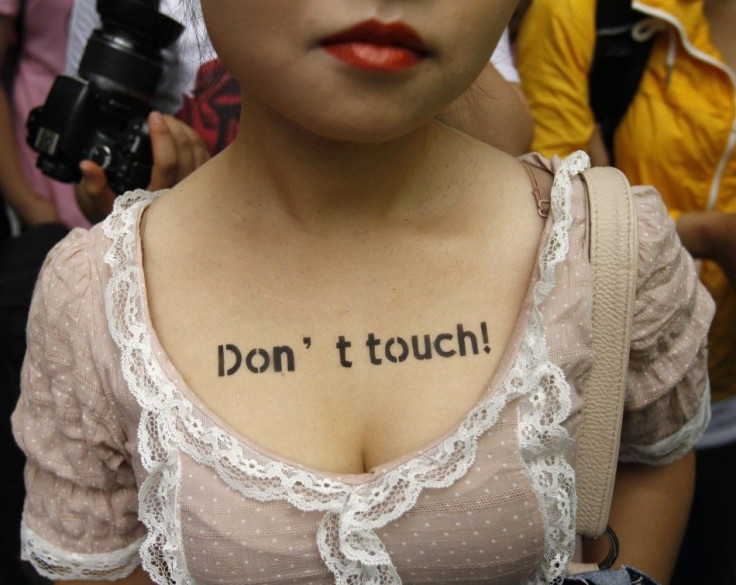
x,y
703,233
495,111
13,184
15,189
649,514
710,235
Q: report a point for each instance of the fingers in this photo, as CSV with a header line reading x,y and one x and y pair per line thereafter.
x,y
164,172
93,179
93,193
177,150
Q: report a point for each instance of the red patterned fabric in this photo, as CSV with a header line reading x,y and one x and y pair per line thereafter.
x,y
213,109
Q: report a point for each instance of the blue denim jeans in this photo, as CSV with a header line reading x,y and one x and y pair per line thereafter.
x,y
624,576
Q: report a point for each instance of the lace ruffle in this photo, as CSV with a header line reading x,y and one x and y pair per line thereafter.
x,y
673,447
54,563
543,440
347,537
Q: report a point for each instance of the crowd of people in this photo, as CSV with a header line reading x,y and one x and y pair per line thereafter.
x,y
342,183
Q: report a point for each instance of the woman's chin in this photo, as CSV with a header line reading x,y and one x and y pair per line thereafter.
x,y
368,129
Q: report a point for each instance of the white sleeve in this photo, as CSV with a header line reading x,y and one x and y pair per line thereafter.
x,y
84,19
503,60
184,58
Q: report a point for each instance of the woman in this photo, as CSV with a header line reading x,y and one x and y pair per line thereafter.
x,y
322,357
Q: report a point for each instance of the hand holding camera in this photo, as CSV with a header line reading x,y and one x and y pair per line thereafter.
x,y
177,151
101,115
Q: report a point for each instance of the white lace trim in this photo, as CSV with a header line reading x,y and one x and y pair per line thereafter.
x,y
543,440
676,445
54,563
347,540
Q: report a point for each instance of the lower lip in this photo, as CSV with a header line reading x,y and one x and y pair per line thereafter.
x,y
374,57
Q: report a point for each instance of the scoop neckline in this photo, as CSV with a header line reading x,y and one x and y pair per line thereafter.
x,y
498,377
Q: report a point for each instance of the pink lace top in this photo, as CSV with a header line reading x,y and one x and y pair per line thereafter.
x,y
125,465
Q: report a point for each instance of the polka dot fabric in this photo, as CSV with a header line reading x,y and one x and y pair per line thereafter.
x,y
125,464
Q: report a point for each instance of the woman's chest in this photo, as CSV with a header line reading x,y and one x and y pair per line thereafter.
x,y
519,428
344,369
486,527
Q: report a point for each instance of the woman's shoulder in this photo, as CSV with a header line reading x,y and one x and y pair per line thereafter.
x,y
125,218
81,256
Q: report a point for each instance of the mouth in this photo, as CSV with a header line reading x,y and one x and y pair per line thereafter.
x,y
377,46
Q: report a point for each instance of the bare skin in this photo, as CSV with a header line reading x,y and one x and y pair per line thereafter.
x,y
17,192
663,496
413,244
494,111
711,235
340,221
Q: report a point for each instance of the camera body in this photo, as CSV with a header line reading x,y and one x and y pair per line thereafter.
x,y
101,115
73,126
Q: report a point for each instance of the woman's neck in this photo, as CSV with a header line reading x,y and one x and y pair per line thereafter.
x,y
323,184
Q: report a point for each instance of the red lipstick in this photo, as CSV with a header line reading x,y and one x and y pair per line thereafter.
x,y
377,46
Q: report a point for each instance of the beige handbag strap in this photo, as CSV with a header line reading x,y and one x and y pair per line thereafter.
x,y
613,254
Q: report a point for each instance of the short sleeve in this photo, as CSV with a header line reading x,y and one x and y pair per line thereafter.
x,y
83,20
668,402
80,517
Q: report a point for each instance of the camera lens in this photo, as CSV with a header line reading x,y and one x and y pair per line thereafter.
x,y
100,115
123,57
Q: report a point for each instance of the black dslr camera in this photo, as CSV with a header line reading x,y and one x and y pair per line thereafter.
x,y
101,115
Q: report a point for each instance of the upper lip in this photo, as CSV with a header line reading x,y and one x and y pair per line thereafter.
x,y
380,33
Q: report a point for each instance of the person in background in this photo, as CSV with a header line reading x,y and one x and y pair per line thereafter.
x,y
678,134
40,45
